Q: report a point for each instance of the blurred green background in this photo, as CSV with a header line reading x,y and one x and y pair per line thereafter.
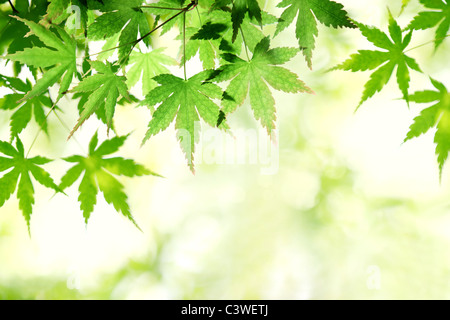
x,y
349,212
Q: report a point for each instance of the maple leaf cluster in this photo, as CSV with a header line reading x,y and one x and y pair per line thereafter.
x,y
232,41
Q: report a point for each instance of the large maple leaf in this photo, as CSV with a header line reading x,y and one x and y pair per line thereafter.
x,y
383,61
99,173
186,101
60,58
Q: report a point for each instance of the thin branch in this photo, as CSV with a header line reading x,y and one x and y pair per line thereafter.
x,y
6,25
135,42
12,6
245,44
184,45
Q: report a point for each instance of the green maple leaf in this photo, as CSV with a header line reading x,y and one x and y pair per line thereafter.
x,y
255,74
24,111
13,31
124,16
186,101
148,65
99,172
22,168
383,61
106,87
429,19
327,12
438,115
61,59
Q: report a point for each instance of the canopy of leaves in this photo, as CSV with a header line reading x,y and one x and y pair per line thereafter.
x,y
60,59
252,76
439,14
99,174
438,115
383,61
22,167
328,12
186,101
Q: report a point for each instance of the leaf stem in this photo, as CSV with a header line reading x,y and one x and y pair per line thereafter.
x,y
184,45
245,44
428,42
199,17
40,129
6,25
162,8
68,129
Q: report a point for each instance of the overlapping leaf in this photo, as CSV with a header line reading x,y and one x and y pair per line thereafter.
x,y
106,87
238,11
13,31
327,12
383,61
438,115
22,170
148,65
60,59
124,16
99,175
254,75
24,110
215,36
438,15
185,101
